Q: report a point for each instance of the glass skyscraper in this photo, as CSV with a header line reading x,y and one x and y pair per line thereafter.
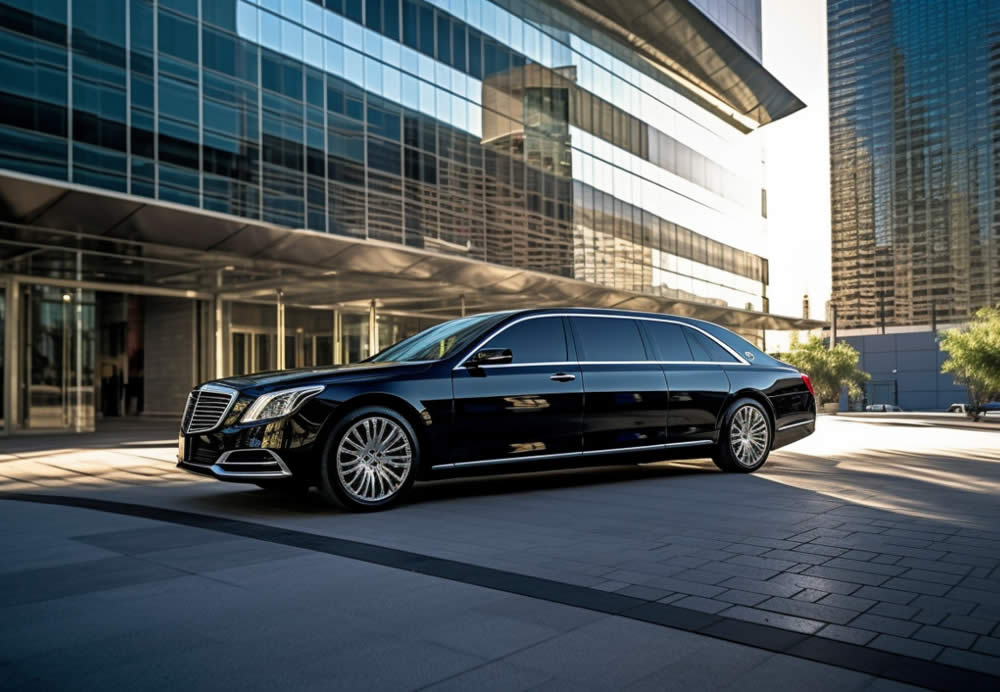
x,y
914,140
391,160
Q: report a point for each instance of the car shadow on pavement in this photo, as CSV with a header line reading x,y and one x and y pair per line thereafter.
x,y
255,501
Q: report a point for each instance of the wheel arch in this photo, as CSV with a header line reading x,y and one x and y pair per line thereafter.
x,y
390,401
760,398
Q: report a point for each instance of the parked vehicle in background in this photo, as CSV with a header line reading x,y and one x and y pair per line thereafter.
x,y
882,408
958,408
507,391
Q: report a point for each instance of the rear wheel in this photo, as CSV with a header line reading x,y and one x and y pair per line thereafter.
x,y
370,460
745,438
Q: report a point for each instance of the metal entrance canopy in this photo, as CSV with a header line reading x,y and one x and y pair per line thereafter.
x,y
173,249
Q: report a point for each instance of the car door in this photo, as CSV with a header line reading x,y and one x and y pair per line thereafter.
x,y
694,366
526,409
625,392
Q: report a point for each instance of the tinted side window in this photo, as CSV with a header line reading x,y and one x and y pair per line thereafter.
x,y
603,338
534,341
705,349
669,340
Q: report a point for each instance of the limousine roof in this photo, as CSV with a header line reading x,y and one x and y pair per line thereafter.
x,y
730,338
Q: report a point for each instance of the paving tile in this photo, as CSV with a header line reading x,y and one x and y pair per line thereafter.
x,y
945,637
969,559
851,635
930,616
774,543
815,549
153,538
745,549
496,675
785,622
762,563
770,588
987,645
862,566
878,623
689,588
810,595
813,611
935,566
894,610
682,562
936,577
705,605
739,597
887,559
890,595
610,585
967,623
948,605
76,578
970,659
646,593
848,575
704,575
858,555
975,595
906,647
973,582
796,556
849,602
806,581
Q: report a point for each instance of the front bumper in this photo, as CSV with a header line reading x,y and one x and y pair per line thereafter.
x,y
248,453
246,465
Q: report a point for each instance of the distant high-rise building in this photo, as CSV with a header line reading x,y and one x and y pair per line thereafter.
x,y
915,175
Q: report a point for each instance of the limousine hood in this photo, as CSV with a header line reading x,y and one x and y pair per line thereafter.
x,y
322,375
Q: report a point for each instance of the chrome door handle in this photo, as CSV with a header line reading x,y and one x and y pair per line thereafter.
x,y
562,377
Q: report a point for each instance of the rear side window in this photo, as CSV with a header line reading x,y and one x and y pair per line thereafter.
x,y
669,340
608,339
541,340
704,348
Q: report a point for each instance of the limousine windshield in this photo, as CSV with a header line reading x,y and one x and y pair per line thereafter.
x,y
439,341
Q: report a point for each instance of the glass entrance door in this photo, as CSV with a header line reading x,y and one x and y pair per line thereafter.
x,y
57,358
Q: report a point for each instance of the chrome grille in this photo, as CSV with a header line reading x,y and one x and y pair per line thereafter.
x,y
206,408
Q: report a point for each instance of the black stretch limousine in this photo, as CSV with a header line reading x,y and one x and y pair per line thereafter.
x,y
509,391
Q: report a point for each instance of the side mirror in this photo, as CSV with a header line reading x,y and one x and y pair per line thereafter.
x,y
491,356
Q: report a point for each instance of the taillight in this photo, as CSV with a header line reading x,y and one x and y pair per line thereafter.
x,y
805,378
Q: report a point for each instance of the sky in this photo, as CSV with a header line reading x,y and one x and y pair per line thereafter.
x,y
798,163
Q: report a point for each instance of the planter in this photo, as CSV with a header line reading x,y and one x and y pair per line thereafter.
x,y
829,408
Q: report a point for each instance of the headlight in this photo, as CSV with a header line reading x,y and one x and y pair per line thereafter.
x,y
278,404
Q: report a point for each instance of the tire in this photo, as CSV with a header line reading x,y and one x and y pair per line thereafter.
x,y
356,472
745,437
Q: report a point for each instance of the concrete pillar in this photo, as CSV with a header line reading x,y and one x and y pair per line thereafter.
x,y
78,324
338,338
280,350
11,375
218,324
462,299
372,329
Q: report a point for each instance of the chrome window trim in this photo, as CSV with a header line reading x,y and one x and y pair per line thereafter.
x,y
740,360
218,471
795,425
218,389
581,453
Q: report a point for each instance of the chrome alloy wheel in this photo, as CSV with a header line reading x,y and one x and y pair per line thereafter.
x,y
749,436
374,459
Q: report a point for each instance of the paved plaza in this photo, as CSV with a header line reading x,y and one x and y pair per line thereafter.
x,y
865,555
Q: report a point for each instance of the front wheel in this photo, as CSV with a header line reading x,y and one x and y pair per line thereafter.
x,y
370,460
745,438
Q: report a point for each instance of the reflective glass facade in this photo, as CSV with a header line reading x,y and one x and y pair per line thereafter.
x,y
914,139
504,132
